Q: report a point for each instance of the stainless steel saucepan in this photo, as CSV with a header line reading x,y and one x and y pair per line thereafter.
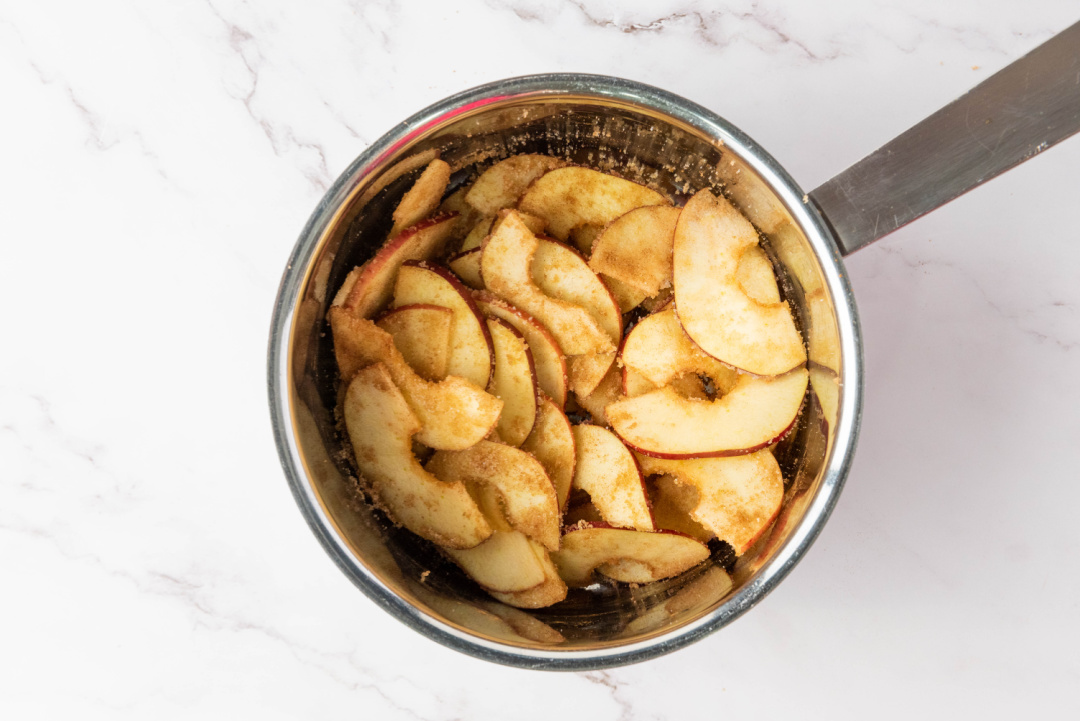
x,y
675,146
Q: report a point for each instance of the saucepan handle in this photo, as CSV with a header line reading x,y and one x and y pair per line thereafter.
x,y
1014,115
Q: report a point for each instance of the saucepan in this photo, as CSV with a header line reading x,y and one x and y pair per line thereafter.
x,y
676,147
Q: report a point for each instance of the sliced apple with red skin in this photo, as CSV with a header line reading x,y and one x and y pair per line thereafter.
x,y
453,413
422,334
548,358
471,354
710,239
466,266
756,277
423,197
635,248
514,382
659,349
502,184
552,443
737,497
506,265
633,385
756,413
624,554
505,562
373,282
526,494
573,196
381,426
607,471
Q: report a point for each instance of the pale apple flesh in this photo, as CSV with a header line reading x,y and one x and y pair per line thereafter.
x,y
635,248
423,197
466,266
373,283
606,392
548,358
471,354
756,276
453,413
526,494
513,382
586,372
624,554
737,497
710,239
626,296
659,349
552,443
506,266
559,272
754,414
381,426
672,503
607,471
504,562
551,591
501,185
572,196
422,334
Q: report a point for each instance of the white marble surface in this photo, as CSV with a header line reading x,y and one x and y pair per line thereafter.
x,y
157,161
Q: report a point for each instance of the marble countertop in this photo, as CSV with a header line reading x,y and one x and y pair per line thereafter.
x,y
157,162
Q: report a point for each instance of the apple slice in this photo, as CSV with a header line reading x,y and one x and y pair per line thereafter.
x,y
558,271
381,426
476,235
756,277
466,266
550,592
422,334
583,236
471,354
659,349
552,443
547,356
633,385
755,413
658,301
526,494
626,296
453,413
524,624
737,497
423,197
514,382
502,184
823,335
588,371
826,387
607,471
607,392
373,282
505,562
506,266
624,554
635,248
672,503
573,196
710,238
